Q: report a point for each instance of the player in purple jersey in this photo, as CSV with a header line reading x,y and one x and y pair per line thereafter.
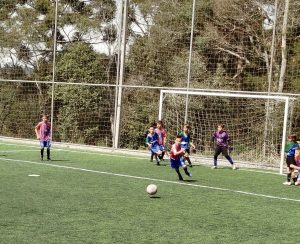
x,y
221,139
43,133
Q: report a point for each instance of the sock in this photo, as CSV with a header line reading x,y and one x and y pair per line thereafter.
x,y
42,152
48,153
179,175
288,178
229,159
186,171
189,161
215,162
162,155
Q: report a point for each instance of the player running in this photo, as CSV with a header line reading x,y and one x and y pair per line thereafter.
x,y
152,142
186,143
162,138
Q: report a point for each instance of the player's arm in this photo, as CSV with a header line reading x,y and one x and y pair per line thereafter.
x,y
294,166
147,142
192,145
37,130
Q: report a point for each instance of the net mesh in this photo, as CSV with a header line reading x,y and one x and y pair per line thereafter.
x,y
253,137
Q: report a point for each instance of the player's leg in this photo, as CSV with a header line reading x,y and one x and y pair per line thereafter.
x,y
289,161
48,150
175,164
218,150
226,155
186,171
42,149
187,157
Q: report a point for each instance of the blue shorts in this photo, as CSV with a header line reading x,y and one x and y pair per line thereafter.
x,y
176,163
162,148
46,144
155,149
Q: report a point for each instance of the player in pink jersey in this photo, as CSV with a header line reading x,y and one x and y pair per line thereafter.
x,y
162,138
43,133
176,158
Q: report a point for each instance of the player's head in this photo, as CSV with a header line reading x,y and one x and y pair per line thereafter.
x,y
297,153
45,118
221,127
292,137
186,127
151,129
160,124
178,139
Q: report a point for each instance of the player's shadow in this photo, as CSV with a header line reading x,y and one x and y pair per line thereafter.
x,y
154,197
3,155
59,160
190,180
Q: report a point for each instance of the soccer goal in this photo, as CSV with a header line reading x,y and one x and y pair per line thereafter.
x,y
257,124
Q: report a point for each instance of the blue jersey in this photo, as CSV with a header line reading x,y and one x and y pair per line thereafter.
x,y
152,139
290,148
185,140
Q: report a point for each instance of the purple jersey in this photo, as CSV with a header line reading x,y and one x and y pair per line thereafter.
x,y
44,130
222,138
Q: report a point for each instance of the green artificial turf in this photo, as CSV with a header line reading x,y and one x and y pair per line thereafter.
x,y
93,199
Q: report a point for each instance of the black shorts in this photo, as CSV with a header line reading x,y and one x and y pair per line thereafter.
x,y
290,160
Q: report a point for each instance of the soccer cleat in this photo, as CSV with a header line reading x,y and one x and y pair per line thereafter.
x,y
42,158
297,183
287,183
214,167
157,163
233,167
190,175
180,178
191,165
48,159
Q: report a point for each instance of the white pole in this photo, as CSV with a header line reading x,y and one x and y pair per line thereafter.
x,y
54,66
161,98
190,63
118,71
285,121
122,70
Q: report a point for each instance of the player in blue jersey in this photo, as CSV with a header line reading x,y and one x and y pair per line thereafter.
x,y
186,143
221,140
153,145
290,149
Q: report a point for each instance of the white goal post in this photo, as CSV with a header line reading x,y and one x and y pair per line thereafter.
x,y
184,95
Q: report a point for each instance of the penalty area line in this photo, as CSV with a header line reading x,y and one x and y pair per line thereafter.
x,y
155,180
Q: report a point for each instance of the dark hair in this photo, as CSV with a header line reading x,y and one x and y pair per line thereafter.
x,y
221,125
293,137
187,126
161,123
178,136
46,116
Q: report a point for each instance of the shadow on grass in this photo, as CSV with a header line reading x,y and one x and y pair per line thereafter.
x,y
3,155
154,197
190,180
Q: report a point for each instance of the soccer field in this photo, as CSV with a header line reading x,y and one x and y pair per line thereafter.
x,y
89,197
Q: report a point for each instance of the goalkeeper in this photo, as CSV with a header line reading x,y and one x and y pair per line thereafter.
x,y
186,143
221,138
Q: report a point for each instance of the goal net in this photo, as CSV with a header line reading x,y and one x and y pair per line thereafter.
x,y
256,123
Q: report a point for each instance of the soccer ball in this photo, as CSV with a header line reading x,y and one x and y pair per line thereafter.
x,y
151,189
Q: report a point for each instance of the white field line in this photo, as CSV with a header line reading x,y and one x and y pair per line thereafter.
x,y
12,151
154,180
121,156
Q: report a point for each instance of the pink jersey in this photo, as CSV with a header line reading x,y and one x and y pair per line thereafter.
x,y
44,130
174,150
161,135
297,160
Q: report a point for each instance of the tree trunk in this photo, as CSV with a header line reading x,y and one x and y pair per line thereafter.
x,y
283,47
